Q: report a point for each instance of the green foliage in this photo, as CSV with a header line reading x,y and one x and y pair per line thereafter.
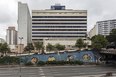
x,y
51,62
50,47
4,48
59,47
78,62
9,60
112,36
38,45
64,62
98,42
29,47
41,63
28,64
80,43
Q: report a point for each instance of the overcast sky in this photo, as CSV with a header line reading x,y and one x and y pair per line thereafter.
x,y
98,10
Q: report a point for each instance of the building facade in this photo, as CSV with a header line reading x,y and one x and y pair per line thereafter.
x,y
104,27
2,41
93,31
11,36
58,23
24,23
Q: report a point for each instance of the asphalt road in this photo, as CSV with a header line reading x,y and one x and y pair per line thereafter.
x,y
60,71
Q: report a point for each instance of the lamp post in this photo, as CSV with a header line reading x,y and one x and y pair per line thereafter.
x,y
20,53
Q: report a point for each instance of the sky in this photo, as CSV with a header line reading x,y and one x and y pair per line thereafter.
x,y
97,10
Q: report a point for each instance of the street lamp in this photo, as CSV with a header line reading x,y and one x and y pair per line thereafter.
x,y
20,53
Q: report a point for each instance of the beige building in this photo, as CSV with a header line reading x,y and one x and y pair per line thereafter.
x,y
2,41
58,22
68,43
93,31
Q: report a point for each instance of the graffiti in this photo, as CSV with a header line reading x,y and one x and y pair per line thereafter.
x,y
75,56
87,57
34,60
69,58
51,58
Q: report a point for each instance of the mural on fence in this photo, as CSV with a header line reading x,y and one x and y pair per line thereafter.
x,y
34,60
69,58
51,58
85,56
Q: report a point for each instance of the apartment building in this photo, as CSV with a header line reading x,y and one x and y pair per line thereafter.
x,y
11,36
104,27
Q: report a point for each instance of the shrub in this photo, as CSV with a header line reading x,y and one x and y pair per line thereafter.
x,y
41,63
60,62
71,62
28,64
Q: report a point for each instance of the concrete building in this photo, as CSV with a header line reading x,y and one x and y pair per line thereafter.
x,y
24,23
104,27
2,41
93,31
68,43
11,36
58,22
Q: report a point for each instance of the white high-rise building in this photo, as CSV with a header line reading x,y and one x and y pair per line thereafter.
x,y
59,23
104,27
24,23
2,41
11,36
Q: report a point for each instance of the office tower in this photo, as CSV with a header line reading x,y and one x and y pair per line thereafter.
x,y
24,23
58,23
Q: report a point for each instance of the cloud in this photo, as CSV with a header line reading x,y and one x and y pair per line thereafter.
x,y
98,10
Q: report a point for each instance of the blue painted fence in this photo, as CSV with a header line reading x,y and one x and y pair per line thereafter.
x,y
84,56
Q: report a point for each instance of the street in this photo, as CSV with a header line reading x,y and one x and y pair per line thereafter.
x,y
59,71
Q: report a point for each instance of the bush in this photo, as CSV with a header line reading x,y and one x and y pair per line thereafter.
x,y
28,64
60,62
41,63
50,62
71,62
78,62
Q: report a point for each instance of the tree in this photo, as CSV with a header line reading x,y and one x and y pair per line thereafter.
x,y
112,36
4,48
98,42
85,45
79,43
59,47
50,47
29,47
38,45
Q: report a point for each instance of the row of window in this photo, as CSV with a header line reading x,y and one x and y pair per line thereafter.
x,y
58,36
59,26
59,16
42,39
57,33
59,29
59,23
58,20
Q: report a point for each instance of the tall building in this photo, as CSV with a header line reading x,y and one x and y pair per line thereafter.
x,y
58,23
104,27
11,36
24,23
